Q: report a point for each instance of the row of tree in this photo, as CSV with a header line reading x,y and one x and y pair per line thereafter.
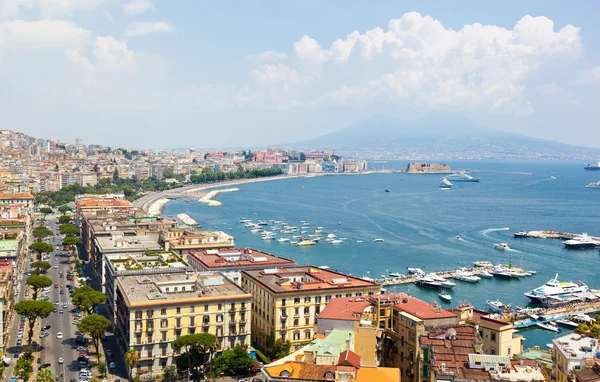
x,y
208,176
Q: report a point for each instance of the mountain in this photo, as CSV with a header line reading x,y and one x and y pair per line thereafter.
x,y
438,135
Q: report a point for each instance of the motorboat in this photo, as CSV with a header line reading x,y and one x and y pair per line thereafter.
x,y
462,177
582,318
581,242
415,271
427,282
445,184
283,240
485,274
567,323
466,277
517,274
254,230
396,274
502,272
593,185
556,289
457,237
497,306
378,241
445,296
360,241
549,326
521,234
502,246
482,264
443,282
262,222
337,241
306,243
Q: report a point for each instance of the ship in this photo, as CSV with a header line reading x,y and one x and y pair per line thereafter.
x,y
466,277
445,184
521,234
581,242
462,177
592,166
502,246
556,289
593,185
497,306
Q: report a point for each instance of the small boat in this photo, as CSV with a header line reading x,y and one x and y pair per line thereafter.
x,y
485,274
457,237
396,275
415,271
359,241
306,243
331,236
552,177
262,222
231,229
568,323
378,241
445,184
444,283
337,241
521,234
497,306
283,240
593,185
386,190
502,246
482,264
292,242
315,239
462,177
339,223
549,326
254,230
445,296
466,277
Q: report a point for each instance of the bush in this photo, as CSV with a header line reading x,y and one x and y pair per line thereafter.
x,y
263,358
582,328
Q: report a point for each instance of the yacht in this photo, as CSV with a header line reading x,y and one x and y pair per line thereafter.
x,y
497,306
549,326
582,241
466,277
283,240
567,323
337,241
445,296
444,283
462,177
521,234
396,274
415,271
556,289
378,241
482,264
445,184
427,282
502,246
306,243
485,274
360,241
502,272
593,185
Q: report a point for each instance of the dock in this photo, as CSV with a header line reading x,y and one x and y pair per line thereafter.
x,y
186,219
448,274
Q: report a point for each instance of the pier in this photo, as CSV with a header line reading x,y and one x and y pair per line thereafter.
x,y
448,274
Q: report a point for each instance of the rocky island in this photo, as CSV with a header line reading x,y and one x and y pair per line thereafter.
x,y
427,168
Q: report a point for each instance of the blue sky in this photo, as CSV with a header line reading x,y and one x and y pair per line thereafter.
x,y
143,73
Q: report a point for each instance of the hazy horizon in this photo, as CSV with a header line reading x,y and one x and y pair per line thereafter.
x,y
162,74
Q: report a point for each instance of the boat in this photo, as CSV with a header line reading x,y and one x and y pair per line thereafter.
x,y
378,241
462,177
444,283
445,296
556,289
592,166
457,237
283,240
552,177
593,185
502,246
306,243
359,241
502,272
262,222
521,234
582,318
548,326
482,264
415,271
485,274
331,236
466,277
497,306
581,242
445,184
427,282
568,323
337,241
386,190
254,230
396,274
293,242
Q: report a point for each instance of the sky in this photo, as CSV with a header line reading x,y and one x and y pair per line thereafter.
x,y
212,74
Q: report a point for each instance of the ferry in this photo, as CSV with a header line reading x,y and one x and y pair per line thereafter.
x,y
556,289
592,167
462,177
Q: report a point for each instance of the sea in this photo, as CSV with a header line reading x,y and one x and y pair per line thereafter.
x,y
419,224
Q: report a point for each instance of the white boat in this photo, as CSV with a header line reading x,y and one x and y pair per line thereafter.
x,y
593,185
396,274
283,240
485,274
502,272
462,177
581,242
378,241
556,289
415,271
445,184
482,264
497,306
331,236
427,282
457,237
445,283
254,230
337,241
466,277
502,246
306,243
582,318
445,296
359,241
548,326
568,323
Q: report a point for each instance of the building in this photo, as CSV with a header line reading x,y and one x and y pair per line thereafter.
x,y
230,262
412,319
445,351
287,301
23,198
570,353
589,374
101,204
181,240
9,249
6,301
155,309
86,179
318,155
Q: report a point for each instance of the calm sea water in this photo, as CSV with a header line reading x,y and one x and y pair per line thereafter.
x,y
419,224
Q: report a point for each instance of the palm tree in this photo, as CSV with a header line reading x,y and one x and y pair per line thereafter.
x,y
131,358
45,375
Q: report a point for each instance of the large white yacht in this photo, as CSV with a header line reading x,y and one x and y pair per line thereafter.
x,y
556,289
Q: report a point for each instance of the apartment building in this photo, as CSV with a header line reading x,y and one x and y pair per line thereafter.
x,y
570,354
153,310
6,301
100,203
288,300
231,261
181,240
23,198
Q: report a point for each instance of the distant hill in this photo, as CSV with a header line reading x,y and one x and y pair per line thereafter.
x,y
439,135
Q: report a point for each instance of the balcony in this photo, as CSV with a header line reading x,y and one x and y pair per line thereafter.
x,y
149,328
232,321
243,320
138,329
283,318
206,323
232,333
232,309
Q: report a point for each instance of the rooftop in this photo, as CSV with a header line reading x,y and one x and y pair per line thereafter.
x,y
305,278
173,288
23,195
450,348
345,308
9,245
219,259
421,309
575,346
332,345
156,261
117,242
100,203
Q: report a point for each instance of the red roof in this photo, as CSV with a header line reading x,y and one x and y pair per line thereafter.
x,y
422,309
349,358
344,308
16,196
97,203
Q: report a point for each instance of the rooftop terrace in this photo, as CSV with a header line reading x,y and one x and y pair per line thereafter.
x,y
219,259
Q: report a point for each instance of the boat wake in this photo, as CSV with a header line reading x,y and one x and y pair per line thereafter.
x,y
486,232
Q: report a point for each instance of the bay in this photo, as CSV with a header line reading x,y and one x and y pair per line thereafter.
x,y
419,223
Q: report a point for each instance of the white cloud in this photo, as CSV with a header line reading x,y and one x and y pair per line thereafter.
x,y
136,29
112,54
24,35
590,76
48,8
266,56
136,7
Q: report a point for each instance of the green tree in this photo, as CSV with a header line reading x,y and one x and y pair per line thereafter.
x,y
46,210
37,282
87,298
68,229
170,373
41,232
96,169
186,343
582,328
280,349
39,266
131,359
32,310
64,209
71,241
41,247
115,176
45,375
64,219
236,361
95,326
23,366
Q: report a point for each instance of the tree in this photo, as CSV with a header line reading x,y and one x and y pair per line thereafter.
x,y
236,361
64,209
39,266
71,241
46,210
41,232
131,359
64,219
56,168
196,346
115,176
45,375
186,342
280,349
95,326
32,310
87,298
68,229
37,282
41,247
96,169
170,373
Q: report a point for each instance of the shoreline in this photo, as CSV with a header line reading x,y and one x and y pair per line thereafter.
x,y
208,198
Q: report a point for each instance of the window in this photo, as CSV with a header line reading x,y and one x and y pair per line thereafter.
x,y
296,335
178,322
327,298
283,302
338,295
177,333
219,331
220,306
178,310
297,300
192,309
348,294
163,312
164,323
163,336
425,372
206,319
138,339
150,353
317,310
306,310
138,315
296,311
318,299
295,322
192,321
306,320
493,351
149,313
206,308
307,299
307,334
233,306
219,318
493,336
149,338
191,330
164,351
329,375
509,352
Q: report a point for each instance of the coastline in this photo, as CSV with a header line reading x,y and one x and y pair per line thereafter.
x,y
155,209
208,198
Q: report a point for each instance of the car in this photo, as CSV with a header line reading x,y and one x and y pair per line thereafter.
x,y
112,365
56,302
44,335
55,266
61,360
82,357
22,327
65,305
61,311
60,272
62,292
55,285
62,276
19,342
59,335
44,366
46,327
85,372
81,348
108,352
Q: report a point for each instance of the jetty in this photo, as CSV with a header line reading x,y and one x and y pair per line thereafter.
x,y
547,235
187,220
208,198
448,274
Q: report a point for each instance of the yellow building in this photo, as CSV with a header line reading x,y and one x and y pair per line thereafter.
x,y
181,240
570,353
154,310
288,300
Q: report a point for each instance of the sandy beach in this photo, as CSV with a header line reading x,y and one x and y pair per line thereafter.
x,y
208,198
